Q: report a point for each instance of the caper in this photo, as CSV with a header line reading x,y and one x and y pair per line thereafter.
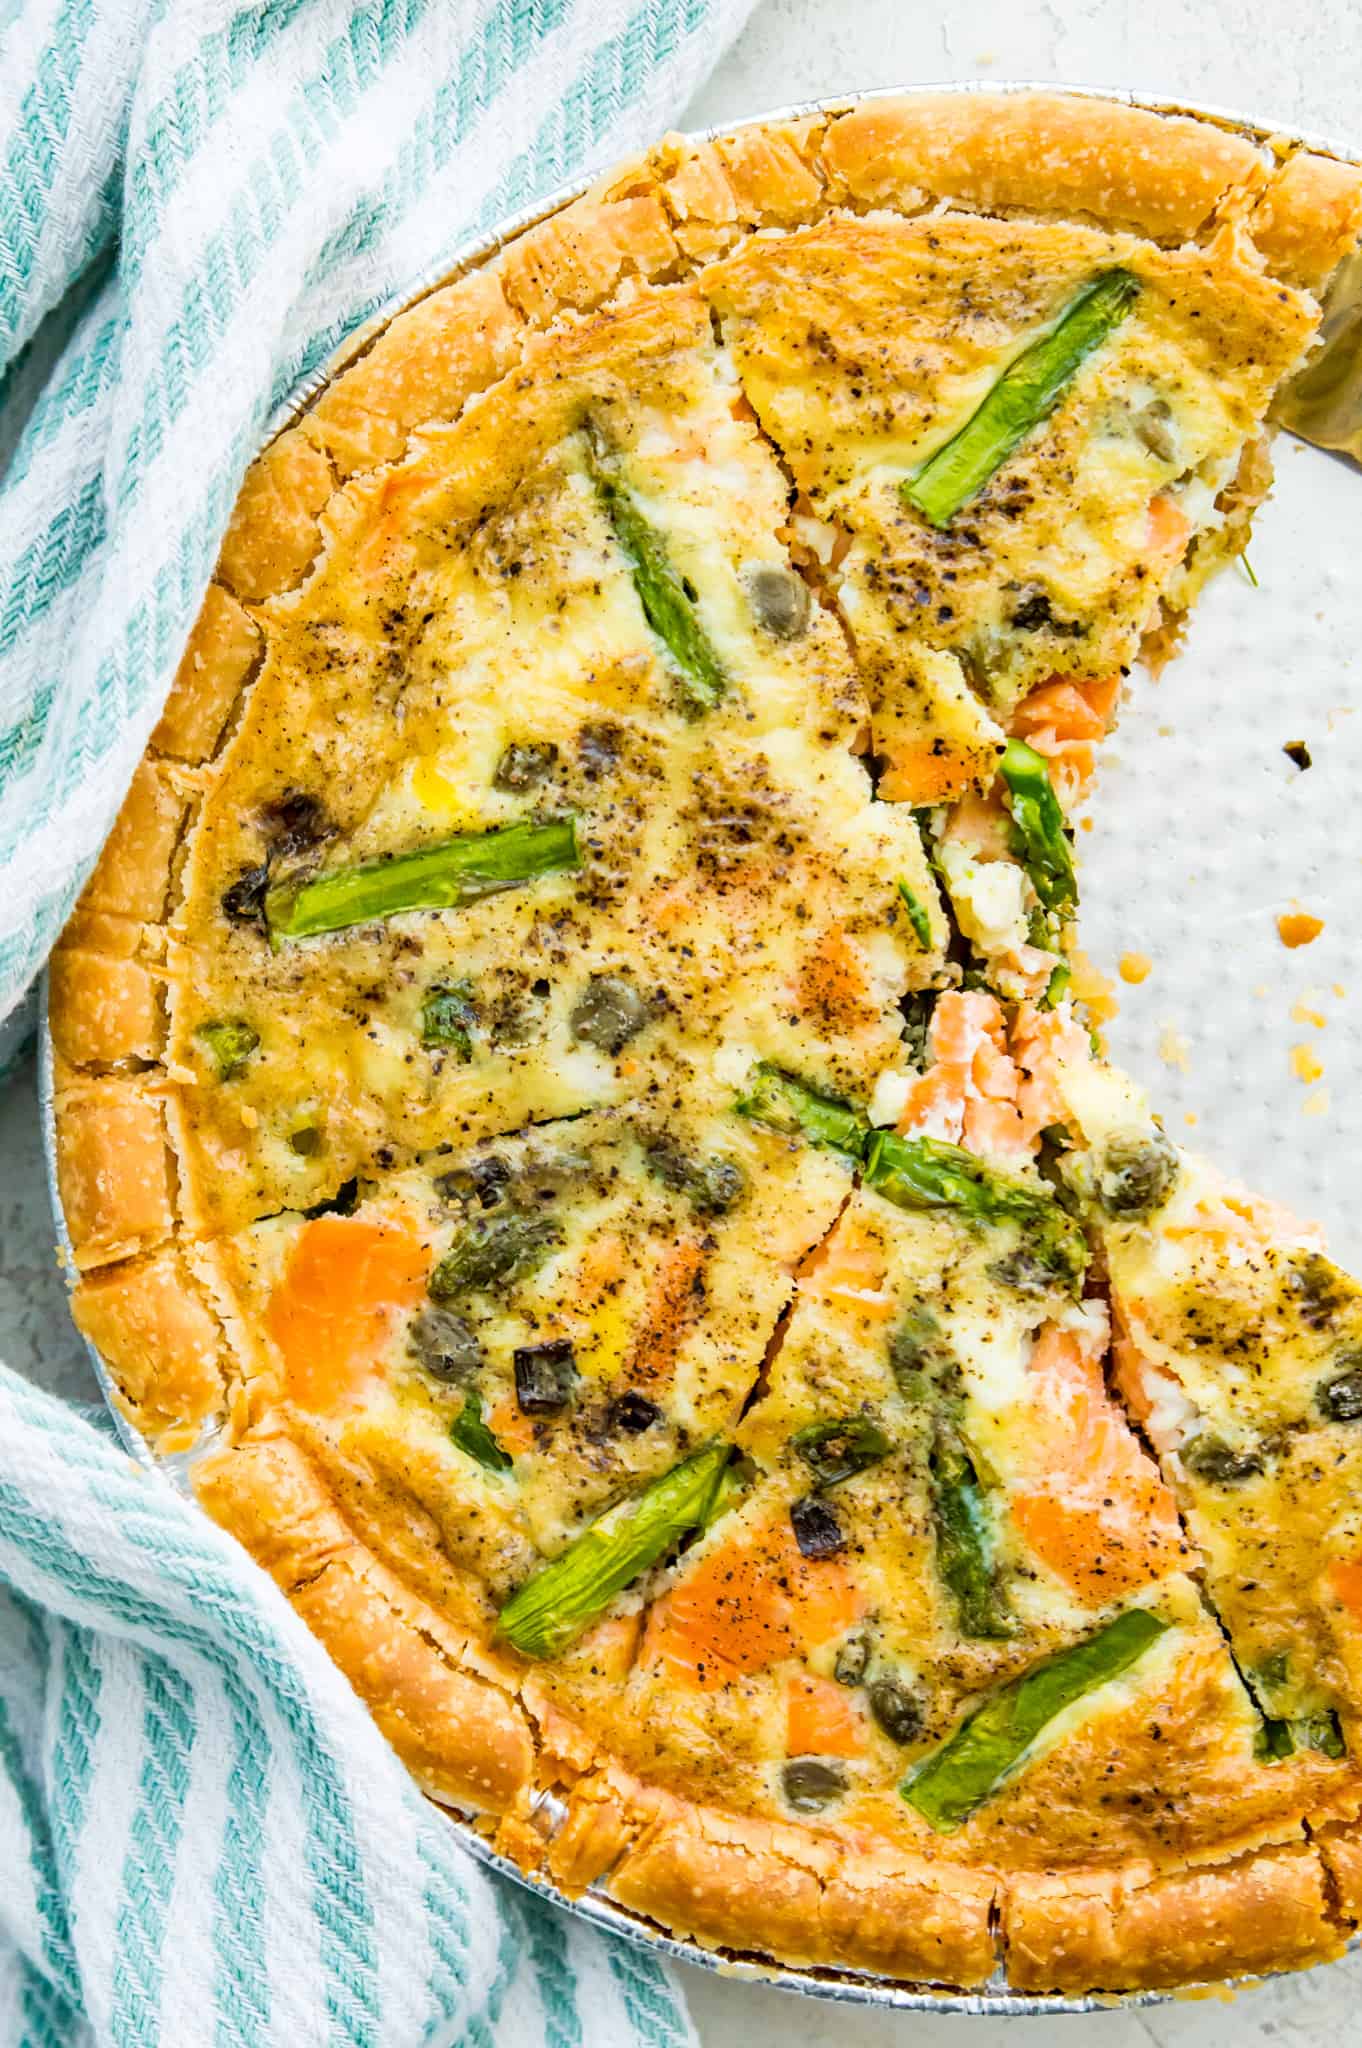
x,y
229,1041
632,1412
1313,1282
1025,1272
779,599
896,1710
838,1450
523,765
484,1181
545,1375
445,1343
1210,1457
1154,429
817,1530
244,901
852,1659
809,1782
920,1358
1137,1174
714,1185
294,822
1340,1397
609,1012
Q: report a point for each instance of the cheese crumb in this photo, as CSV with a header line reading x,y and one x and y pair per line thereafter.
x,y
1298,928
1190,1118
891,1093
1306,1063
1302,1012
1174,1049
1316,1104
1134,967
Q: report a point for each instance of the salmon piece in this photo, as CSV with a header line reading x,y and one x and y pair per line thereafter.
x,y
675,1299
969,1095
748,1605
1059,708
1063,719
1095,1511
925,772
1041,1039
512,1427
1168,530
822,1718
982,824
332,1312
1070,709
849,1269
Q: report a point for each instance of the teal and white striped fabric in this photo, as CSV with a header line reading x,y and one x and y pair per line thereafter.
x,y
197,202
203,1842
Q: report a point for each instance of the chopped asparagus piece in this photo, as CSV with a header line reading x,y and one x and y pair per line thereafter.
x,y
471,1434
918,916
435,878
1026,393
230,1042
834,1451
927,1173
992,1742
1057,987
778,1100
553,1608
448,1017
1038,837
668,600
715,1185
489,1249
964,1539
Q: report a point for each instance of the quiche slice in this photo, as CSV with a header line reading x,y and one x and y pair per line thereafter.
x,y
578,1104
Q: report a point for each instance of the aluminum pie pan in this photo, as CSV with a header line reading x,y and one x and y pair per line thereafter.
x,y
844,1986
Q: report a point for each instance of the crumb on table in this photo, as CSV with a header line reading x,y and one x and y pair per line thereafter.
x,y
1306,1063
1298,928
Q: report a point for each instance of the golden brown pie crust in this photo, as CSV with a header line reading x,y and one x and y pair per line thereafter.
x,y
472,1725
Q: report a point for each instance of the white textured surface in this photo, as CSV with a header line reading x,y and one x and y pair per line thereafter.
x,y
1206,830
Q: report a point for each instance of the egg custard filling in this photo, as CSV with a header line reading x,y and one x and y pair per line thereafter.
x,y
580,1107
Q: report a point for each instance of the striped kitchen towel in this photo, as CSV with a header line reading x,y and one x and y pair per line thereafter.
x,y
203,1841
198,201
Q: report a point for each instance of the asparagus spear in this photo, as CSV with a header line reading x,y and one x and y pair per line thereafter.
x,y
992,1742
927,1173
471,1434
668,600
435,878
230,1042
918,916
553,1608
778,1100
1038,835
964,1540
1026,393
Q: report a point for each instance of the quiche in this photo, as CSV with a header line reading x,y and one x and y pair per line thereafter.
x,y
582,1118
